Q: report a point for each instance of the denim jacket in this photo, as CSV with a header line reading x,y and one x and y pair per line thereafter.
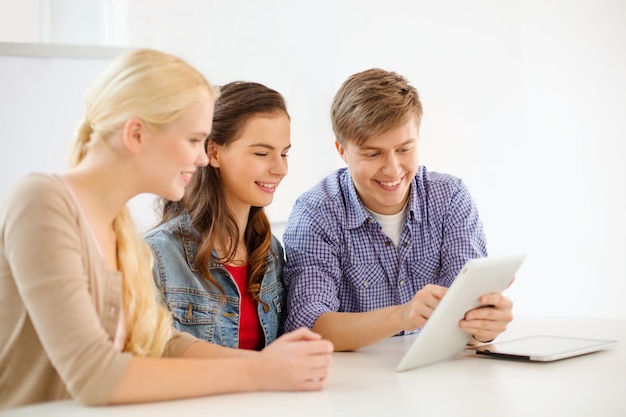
x,y
197,304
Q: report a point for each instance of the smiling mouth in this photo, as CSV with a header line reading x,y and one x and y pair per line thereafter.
x,y
390,183
267,185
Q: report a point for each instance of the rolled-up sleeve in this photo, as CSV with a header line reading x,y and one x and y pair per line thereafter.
x,y
312,271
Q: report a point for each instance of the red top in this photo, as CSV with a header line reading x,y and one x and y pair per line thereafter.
x,y
250,333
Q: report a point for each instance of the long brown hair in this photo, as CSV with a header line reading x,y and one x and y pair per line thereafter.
x,y
205,199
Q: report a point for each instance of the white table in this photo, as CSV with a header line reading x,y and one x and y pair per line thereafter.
x,y
364,383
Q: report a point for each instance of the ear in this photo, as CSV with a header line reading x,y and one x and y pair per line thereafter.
x,y
341,150
133,135
213,152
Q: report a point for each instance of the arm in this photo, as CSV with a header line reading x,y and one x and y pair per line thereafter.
x,y
351,331
201,350
296,361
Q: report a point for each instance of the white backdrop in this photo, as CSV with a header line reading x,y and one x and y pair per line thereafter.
x,y
525,100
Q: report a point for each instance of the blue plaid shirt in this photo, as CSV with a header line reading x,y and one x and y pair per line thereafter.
x,y
339,259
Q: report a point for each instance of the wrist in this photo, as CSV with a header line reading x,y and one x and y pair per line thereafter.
x,y
397,322
482,341
254,372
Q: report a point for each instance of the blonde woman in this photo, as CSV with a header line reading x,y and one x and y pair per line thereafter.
x,y
81,317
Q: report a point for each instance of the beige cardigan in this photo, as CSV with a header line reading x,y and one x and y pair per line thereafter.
x,y
59,304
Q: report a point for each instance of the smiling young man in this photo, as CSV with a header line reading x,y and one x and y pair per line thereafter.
x,y
373,247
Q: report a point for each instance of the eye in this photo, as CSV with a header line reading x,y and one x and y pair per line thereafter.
x,y
261,154
284,155
372,155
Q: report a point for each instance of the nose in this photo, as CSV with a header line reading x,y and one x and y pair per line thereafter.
x,y
391,164
279,166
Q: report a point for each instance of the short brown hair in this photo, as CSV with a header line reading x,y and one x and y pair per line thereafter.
x,y
372,102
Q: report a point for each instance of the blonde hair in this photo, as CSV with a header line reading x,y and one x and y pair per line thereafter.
x,y
371,103
157,88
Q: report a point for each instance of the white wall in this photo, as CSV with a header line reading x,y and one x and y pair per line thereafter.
x,y
19,21
525,100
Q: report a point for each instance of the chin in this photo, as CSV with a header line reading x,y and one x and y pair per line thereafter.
x,y
174,196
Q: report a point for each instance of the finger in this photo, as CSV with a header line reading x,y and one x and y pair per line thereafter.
x,y
300,334
309,380
317,365
484,324
483,329
318,375
496,300
437,291
490,313
317,347
431,296
312,384
418,310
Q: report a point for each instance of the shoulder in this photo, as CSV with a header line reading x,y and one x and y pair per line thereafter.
x,y
431,185
328,189
38,185
441,197
38,194
41,209
276,245
163,234
277,250
331,207
330,196
435,179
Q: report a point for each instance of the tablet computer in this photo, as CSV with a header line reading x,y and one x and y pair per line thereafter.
x,y
540,348
441,337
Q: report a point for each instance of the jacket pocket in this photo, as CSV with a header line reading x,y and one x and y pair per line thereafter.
x,y
200,320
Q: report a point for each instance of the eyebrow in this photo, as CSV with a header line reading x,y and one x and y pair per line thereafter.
x,y
266,146
407,142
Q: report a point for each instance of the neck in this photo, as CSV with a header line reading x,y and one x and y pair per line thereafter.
x,y
241,214
102,187
241,218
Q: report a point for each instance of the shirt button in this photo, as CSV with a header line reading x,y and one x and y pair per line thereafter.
x,y
388,242
365,283
405,244
401,282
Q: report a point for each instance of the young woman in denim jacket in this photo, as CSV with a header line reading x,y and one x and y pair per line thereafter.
x,y
216,262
